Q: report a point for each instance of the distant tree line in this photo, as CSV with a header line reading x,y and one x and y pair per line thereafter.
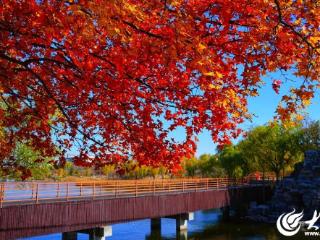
x,y
269,148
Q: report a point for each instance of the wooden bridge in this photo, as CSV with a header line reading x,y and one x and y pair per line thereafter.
x,y
36,208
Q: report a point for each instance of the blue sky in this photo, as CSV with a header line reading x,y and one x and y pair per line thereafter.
x,y
264,106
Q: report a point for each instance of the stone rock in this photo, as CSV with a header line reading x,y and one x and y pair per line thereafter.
x,y
299,191
316,170
312,157
253,204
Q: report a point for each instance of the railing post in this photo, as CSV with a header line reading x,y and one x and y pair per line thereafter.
x,y
182,185
80,189
94,190
154,187
196,185
218,183
1,194
37,193
115,189
32,191
136,188
207,182
58,190
67,193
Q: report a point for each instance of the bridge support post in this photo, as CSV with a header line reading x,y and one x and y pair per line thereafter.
x,y
69,236
99,233
182,235
182,224
225,213
182,220
155,228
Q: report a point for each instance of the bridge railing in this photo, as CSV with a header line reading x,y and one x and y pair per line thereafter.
x,y
18,193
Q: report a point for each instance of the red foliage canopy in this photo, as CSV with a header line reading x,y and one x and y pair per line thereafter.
x,y
115,77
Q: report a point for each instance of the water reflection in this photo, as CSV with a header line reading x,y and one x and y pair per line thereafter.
x,y
206,226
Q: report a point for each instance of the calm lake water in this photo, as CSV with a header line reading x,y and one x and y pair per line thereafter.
x,y
206,225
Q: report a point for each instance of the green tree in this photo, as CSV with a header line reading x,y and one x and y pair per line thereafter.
x,y
310,136
26,163
254,149
272,147
163,171
233,162
108,170
190,166
210,166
